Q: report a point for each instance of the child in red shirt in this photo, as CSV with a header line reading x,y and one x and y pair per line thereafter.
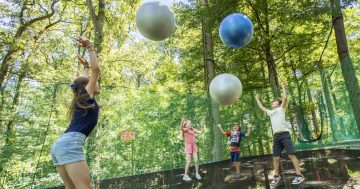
x,y
235,138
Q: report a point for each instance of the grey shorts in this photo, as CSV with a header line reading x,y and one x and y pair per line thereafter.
x,y
68,148
281,141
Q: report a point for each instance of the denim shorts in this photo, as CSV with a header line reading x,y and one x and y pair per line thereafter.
x,y
68,148
281,141
235,156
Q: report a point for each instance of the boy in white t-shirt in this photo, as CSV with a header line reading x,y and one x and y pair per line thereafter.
x,y
281,138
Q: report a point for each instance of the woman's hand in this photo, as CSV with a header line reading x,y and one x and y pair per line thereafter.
x,y
83,41
83,61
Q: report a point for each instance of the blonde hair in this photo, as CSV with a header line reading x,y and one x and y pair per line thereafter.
x,y
182,125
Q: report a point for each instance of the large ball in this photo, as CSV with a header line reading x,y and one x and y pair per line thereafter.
x,y
154,21
225,89
236,30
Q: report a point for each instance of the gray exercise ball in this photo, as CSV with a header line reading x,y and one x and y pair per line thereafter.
x,y
154,21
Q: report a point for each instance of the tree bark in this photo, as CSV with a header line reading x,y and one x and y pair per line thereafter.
x,y
302,123
98,22
209,62
313,113
266,46
322,112
302,127
273,78
8,149
256,122
347,68
329,104
337,106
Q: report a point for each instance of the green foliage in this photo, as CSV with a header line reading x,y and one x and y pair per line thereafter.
x,y
148,86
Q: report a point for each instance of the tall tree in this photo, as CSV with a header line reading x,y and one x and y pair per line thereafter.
x,y
98,23
329,103
261,7
312,110
24,25
347,68
209,66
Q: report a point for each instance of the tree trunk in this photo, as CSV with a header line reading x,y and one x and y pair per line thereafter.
x,y
337,106
256,122
322,112
292,120
329,103
293,132
267,97
269,130
347,68
313,113
98,22
5,66
8,149
2,106
302,123
273,78
217,147
303,130
262,8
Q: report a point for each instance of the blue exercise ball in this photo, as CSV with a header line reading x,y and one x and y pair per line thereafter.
x,y
155,21
236,30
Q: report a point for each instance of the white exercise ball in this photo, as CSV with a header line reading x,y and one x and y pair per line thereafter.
x,y
225,89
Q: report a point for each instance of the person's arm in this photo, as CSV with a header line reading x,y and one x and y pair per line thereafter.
x,y
94,65
284,97
85,63
202,126
221,130
181,127
248,130
260,104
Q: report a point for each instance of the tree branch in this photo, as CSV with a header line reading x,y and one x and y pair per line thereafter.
x,y
296,46
23,27
41,7
257,15
36,37
91,10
